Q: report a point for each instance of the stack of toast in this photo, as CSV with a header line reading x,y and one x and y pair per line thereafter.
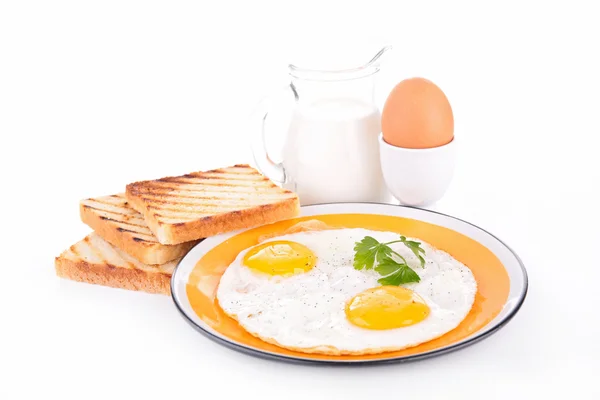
x,y
140,236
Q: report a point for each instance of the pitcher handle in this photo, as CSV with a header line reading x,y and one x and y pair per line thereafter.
x,y
263,161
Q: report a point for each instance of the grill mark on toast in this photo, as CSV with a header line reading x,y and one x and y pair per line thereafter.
x,y
96,251
243,192
114,210
207,208
192,215
128,222
102,204
178,204
201,208
199,181
229,178
208,179
126,260
217,175
130,219
209,195
233,196
179,221
139,230
210,184
132,229
115,200
228,175
149,238
84,250
109,255
188,214
73,249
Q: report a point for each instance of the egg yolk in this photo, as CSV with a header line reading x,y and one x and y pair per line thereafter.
x,y
386,307
280,258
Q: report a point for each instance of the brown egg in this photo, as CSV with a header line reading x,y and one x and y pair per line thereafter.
x,y
417,115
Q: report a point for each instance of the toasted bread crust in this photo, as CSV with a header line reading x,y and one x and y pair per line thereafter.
x,y
147,252
94,260
108,275
259,202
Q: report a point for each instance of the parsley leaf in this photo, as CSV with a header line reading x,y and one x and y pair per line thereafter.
x,y
415,248
393,272
366,250
383,253
404,274
386,266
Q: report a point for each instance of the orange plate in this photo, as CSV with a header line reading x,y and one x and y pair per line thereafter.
x,y
492,280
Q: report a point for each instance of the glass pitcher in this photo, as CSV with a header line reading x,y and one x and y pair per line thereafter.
x,y
331,151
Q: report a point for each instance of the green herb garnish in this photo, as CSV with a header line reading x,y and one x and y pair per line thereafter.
x,y
393,272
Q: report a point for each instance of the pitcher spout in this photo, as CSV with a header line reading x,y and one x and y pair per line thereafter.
x,y
376,60
364,70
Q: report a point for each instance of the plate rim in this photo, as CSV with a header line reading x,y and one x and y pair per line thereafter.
x,y
401,359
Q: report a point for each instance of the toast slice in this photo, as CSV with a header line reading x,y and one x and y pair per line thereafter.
x,y
115,221
202,204
93,260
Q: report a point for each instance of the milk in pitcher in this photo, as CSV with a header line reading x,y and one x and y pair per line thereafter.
x,y
331,152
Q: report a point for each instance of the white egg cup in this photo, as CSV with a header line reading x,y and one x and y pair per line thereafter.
x,y
417,177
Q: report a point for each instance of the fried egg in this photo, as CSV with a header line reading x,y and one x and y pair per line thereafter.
x,y
300,291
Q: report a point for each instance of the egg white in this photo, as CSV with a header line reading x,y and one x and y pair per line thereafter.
x,y
306,312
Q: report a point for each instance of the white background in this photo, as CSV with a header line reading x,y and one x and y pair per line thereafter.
x,y
94,95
